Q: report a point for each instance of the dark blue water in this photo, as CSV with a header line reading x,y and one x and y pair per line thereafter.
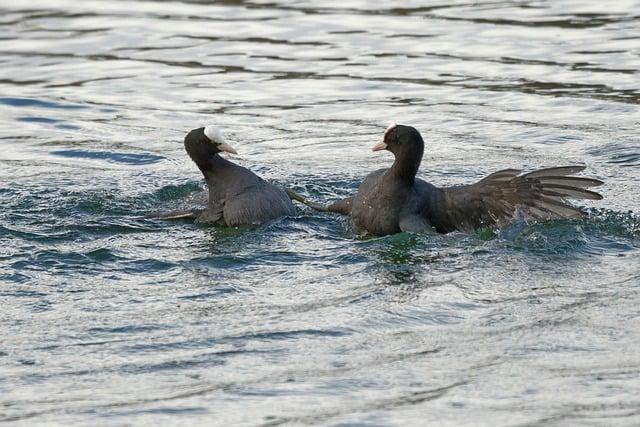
x,y
110,318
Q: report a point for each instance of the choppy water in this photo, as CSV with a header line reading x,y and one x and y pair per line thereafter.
x,y
112,320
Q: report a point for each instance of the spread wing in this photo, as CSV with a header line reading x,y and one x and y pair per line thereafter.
x,y
493,201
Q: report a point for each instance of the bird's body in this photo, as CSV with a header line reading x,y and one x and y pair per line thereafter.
x,y
237,196
393,200
386,205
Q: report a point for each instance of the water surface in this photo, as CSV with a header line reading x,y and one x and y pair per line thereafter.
x,y
113,319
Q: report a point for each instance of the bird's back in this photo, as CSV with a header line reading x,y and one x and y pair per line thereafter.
x,y
258,204
241,197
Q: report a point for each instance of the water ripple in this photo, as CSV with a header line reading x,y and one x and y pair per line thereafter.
x,y
124,158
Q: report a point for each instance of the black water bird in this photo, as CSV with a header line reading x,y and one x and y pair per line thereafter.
x,y
393,200
237,196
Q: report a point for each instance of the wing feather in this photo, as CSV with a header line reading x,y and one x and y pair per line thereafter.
x,y
493,201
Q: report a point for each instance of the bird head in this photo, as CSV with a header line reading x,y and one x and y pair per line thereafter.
x,y
206,141
400,138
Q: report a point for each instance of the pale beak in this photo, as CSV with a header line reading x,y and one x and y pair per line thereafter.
x,y
379,146
226,148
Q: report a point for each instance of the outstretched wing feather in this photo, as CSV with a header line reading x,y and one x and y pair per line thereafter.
x,y
494,200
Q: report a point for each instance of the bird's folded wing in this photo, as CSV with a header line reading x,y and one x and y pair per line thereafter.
x,y
542,194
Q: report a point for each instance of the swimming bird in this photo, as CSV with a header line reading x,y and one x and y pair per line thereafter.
x,y
393,200
237,196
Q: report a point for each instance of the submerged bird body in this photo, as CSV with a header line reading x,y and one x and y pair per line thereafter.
x,y
393,200
237,196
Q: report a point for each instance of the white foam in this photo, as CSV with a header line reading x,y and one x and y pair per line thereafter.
x,y
389,129
214,133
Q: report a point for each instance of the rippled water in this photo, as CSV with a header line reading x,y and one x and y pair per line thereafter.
x,y
109,319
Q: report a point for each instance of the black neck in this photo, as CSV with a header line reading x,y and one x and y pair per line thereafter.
x,y
215,168
408,158
210,164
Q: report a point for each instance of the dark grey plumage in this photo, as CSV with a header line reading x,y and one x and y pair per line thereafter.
x,y
237,196
394,200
